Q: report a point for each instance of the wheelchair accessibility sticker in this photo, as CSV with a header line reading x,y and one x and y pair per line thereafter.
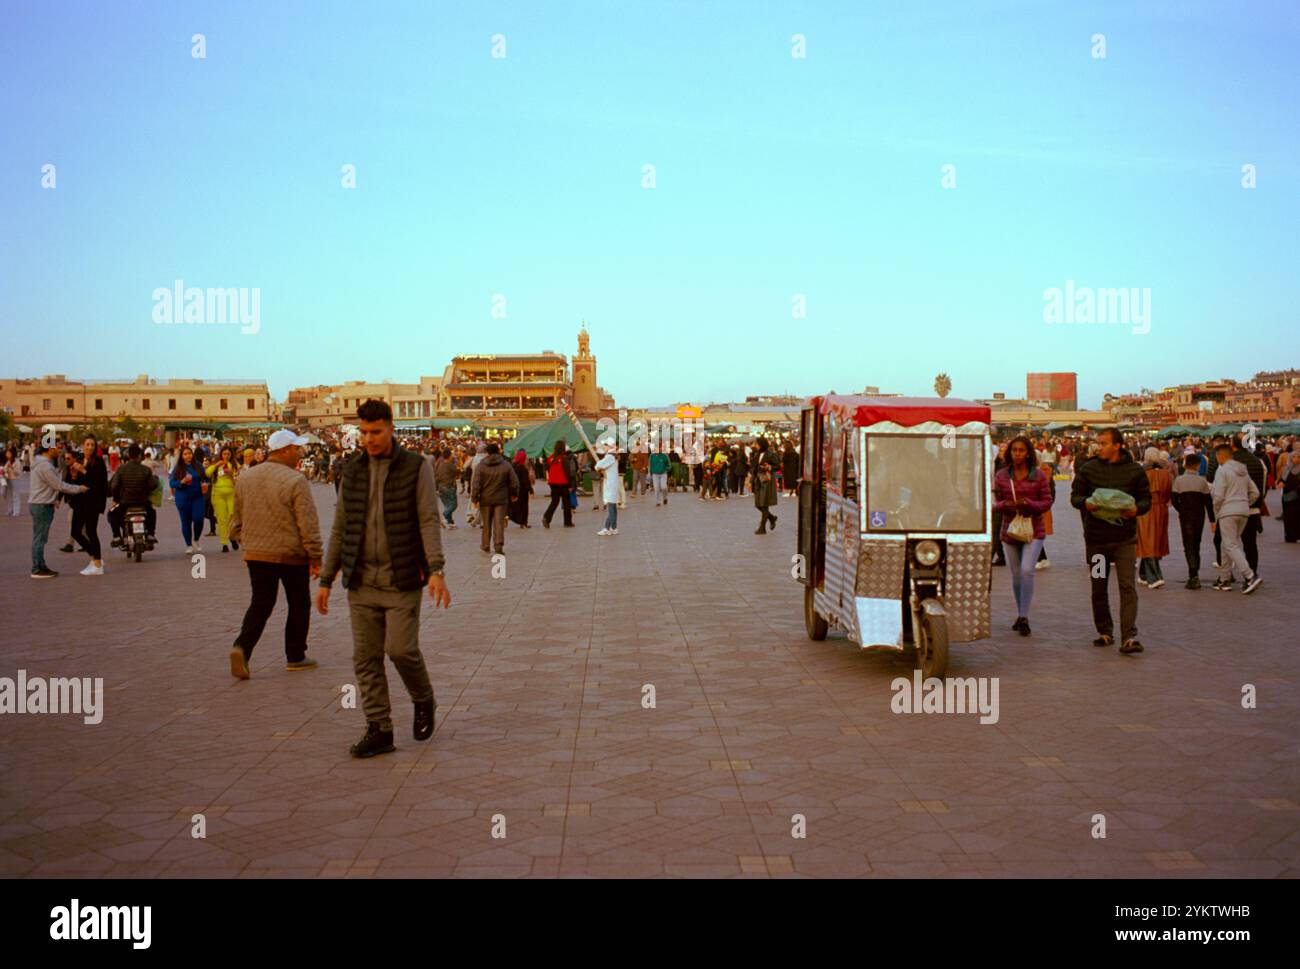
x,y
878,519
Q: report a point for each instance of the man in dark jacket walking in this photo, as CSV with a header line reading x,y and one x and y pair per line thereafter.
x,y
1112,547
388,546
493,486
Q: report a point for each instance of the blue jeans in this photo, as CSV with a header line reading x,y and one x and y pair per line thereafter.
x,y
42,518
448,496
611,515
1021,560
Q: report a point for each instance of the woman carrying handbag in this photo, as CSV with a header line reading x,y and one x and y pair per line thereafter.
x,y
1022,493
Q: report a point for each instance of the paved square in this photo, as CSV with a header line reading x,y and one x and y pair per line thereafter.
x,y
757,734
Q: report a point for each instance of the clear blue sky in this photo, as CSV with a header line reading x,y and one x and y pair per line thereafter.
x,y
775,177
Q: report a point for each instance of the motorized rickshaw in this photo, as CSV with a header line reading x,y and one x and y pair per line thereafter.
x,y
895,522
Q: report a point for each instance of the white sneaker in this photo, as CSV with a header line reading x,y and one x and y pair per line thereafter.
x,y
189,549
1043,564
613,531
197,547
604,531
92,570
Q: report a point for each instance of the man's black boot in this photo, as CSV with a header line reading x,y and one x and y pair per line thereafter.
x,y
424,712
375,741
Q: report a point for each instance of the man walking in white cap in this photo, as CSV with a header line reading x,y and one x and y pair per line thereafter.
x,y
275,523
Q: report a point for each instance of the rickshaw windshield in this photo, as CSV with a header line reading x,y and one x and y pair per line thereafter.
x,y
915,484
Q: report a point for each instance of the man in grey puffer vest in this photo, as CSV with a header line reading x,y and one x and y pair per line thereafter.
x,y
387,542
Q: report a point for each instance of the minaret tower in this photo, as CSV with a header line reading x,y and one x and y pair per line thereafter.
x,y
586,398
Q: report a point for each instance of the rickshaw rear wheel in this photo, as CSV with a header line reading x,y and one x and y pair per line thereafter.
x,y
932,645
814,623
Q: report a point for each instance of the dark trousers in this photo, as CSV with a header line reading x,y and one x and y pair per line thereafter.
x,y
265,577
1291,519
559,496
494,526
998,555
1250,541
85,531
1122,561
1193,529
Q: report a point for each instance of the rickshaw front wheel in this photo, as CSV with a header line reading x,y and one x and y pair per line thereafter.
x,y
813,622
932,645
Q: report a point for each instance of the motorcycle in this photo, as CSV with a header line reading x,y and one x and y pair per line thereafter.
x,y
135,536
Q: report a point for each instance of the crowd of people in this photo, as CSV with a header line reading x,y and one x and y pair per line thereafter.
x,y
394,495
1123,490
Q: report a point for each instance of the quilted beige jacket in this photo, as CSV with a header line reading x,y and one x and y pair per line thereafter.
x,y
275,517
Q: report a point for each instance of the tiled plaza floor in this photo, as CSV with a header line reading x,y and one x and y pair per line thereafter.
x,y
540,677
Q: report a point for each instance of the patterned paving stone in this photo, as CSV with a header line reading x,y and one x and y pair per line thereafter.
x,y
762,755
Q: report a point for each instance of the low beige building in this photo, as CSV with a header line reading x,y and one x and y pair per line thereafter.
x,y
55,399
327,405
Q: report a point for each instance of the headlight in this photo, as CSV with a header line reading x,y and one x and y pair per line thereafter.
x,y
927,553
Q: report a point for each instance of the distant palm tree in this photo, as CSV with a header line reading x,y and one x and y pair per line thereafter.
x,y
942,385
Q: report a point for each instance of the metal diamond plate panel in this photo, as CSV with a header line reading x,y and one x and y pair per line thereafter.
x,y
966,591
880,569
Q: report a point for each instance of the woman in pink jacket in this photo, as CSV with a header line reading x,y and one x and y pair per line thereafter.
x,y
1022,488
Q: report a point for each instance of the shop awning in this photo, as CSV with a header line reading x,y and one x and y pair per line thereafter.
x,y
904,411
197,426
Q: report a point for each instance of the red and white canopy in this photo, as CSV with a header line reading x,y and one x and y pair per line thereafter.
x,y
903,411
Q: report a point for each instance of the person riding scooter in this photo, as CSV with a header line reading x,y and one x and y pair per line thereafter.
x,y
131,487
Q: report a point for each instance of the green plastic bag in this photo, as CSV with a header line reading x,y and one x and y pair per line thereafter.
x,y
156,498
1111,502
